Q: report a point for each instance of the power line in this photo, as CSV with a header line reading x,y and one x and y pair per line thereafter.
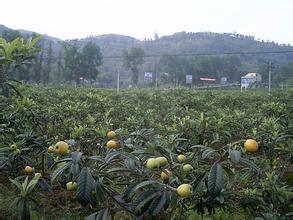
x,y
206,54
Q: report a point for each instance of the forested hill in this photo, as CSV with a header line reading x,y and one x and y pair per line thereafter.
x,y
178,43
192,43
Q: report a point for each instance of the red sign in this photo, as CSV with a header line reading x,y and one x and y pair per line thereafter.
x,y
207,79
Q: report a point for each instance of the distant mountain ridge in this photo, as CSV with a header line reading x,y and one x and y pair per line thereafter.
x,y
177,43
27,33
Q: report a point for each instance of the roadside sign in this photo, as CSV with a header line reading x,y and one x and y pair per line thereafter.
x,y
188,79
148,76
207,79
224,80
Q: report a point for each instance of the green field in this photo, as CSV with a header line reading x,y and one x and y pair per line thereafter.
x,y
227,180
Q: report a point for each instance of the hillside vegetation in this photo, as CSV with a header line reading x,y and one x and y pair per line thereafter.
x,y
52,58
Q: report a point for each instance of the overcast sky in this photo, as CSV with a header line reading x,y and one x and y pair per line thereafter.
x,y
67,19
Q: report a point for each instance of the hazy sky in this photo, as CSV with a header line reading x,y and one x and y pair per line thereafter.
x,y
66,19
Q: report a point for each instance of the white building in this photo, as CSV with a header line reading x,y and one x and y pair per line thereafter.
x,y
256,76
249,79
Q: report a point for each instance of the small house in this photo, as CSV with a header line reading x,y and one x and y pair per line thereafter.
x,y
249,79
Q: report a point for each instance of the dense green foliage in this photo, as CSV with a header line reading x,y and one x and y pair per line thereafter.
x,y
208,127
14,55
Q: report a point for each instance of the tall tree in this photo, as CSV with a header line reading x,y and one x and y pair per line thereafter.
x,y
60,68
285,72
172,66
72,62
38,66
232,68
91,59
132,58
47,68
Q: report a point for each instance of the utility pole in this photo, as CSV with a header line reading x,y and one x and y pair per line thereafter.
x,y
118,80
270,76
